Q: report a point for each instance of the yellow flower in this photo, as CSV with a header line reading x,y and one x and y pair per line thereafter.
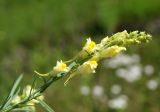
x,y
61,67
90,66
31,106
89,46
41,97
110,51
86,68
27,91
16,100
31,103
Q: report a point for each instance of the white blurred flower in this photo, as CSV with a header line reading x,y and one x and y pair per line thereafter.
x,y
148,70
130,74
119,102
135,58
116,89
85,90
152,84
121,72
122,59
134,73
98,91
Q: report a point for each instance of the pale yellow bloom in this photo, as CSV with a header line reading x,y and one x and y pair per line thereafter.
x,y
41,97
16,100
61,67
89,46
90,66
31,103
86,68
31,106
104,40
110,51
27,91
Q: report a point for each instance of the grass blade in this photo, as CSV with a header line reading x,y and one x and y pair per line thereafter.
x,y
15,85
12,92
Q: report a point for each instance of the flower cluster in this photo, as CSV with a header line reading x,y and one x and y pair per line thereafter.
x,y
89,46
27,92
88,58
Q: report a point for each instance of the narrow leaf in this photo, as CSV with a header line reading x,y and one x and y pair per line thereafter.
x,y
16,84
12,92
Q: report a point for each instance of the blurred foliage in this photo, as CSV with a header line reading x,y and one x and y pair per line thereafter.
x,y
36,33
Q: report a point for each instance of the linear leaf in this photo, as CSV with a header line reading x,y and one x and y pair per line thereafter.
x,y
12,92
16,84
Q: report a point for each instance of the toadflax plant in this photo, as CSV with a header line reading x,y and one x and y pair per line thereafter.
x,y
85,62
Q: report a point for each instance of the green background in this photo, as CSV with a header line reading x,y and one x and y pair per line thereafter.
x,y
34,34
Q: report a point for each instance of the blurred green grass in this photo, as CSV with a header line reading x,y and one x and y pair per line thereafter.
x,y
34,34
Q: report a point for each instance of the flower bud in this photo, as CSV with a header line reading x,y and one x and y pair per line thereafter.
x,y
89,46
104,40
27,91
41,97
89,67
110,51
60,67
16,100
86,68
